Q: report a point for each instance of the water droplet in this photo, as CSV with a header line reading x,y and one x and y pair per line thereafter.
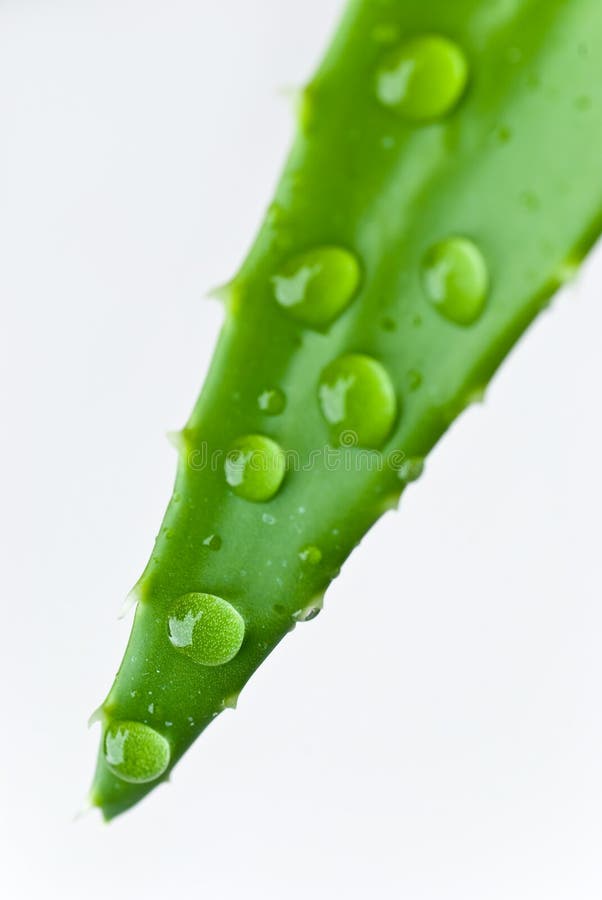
x,y
311,555
136,753
231,701
213,541
456,280
267,519
503,134
385,33
271,401
583,103
357,398
424,78
206,628
255,467
177,439
414,379
411,469
317,286
529,200
307,614
132,600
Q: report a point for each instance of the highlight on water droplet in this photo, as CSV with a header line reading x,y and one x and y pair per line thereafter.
x,y
311,554
424,78
255,467
272,401
318,285
456,279
205,628
135,752
357,398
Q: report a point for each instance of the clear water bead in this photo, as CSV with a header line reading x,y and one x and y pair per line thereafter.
x,y
456,280
357,399
135,752
424,78
318,285
255,467
205,628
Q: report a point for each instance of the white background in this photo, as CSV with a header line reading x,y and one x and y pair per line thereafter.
x,y
437,733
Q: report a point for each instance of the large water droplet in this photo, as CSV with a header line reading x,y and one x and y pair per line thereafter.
x,y
206,628
272,401
315,287
357,398
255,467
136,753
424,78
456,280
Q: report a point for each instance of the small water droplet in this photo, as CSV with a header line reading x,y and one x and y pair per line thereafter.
x,y
307,614
411,469
424,78
414,379
529,200
504,134
231,701
213,542
311,554
271,401
568,270
132,600
317,286
135,753
255,467
267,519
583,103
456,280
357,398
205,628
385,33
